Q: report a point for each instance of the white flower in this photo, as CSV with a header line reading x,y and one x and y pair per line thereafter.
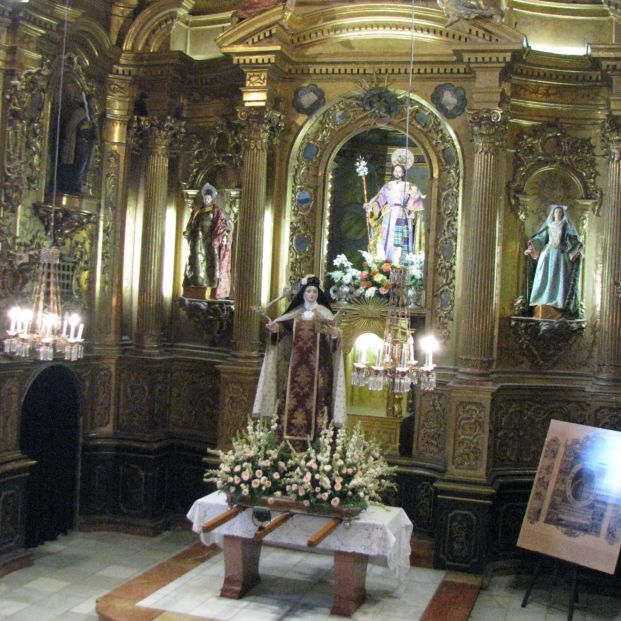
x,y
370,292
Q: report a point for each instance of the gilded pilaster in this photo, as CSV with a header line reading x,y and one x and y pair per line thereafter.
x,y
109,276
238,378
609,346
161,137
260,129
476,345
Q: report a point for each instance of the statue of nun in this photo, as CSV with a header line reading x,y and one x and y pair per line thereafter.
x,y
557,250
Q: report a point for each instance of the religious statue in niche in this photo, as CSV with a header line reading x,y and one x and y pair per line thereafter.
x,y
209,235
554,292
302,379
78,137
392,213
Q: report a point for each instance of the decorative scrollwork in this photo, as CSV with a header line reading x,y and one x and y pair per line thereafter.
x,y
542,341
213,317
549,148
221,145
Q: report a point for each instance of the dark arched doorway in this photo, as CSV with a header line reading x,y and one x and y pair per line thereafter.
x,y
50,436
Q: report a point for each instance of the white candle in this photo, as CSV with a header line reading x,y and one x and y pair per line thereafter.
x,y
73,323
362,359
378,356
65,325
14,317
80,330
25,319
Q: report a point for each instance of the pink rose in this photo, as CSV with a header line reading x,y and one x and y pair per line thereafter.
x,y
335,502
255,483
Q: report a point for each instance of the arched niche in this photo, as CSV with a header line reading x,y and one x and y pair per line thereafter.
x,y
313,155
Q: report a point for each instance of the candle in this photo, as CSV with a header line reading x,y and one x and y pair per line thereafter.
x,y
403,357
14,317
25,319
378,356
80,330
73,323
362,359
65,324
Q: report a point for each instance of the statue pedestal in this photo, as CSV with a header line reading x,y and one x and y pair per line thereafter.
x,y
195,293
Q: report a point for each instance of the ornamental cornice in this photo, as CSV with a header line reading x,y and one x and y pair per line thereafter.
x,y
166,65
366,27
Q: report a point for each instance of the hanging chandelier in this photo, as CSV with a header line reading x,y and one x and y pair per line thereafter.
x,y
396,367
43,329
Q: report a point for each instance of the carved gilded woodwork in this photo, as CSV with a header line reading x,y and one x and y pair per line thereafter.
x,y
431,426
102,398
325,132
194,401
546,152
544,343
520,426
236,400
470,437
384,430
608,417
220,145
144,398
213,317
109,212
23,143
423,505
460,537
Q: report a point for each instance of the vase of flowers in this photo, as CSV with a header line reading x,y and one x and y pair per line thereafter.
x,y
372,278
345,473
254,468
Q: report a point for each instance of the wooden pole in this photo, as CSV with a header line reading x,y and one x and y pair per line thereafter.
x,y
223,518
323,532
273,525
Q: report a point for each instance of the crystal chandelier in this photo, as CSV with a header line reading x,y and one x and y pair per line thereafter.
x,y
42,329
396,367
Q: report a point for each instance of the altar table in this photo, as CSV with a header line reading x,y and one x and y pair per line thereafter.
x,y
380,535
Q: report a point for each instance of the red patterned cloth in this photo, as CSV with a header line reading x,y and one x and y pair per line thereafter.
x,y
305,404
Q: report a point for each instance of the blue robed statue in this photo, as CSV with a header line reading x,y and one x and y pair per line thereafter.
x,y
557,250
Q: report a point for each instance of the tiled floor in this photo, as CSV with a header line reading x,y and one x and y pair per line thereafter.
x,y
296,586
70,574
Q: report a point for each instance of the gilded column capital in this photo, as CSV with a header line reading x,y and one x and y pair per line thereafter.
x,y
162,136
611,137
263,127
488,128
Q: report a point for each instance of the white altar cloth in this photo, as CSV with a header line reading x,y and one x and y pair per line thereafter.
x,y
383,533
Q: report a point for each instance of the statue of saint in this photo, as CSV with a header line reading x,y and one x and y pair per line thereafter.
x,y
392,213
80,135
557,250
209,238
302,379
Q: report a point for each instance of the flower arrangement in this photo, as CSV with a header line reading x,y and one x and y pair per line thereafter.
x,y
255,467
373,277
346,472
342,472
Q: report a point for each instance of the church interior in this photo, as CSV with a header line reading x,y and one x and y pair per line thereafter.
x,y
173,169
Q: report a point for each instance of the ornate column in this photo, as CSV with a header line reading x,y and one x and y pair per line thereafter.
x,y
464,496
476,345
111,233
260,128
161,136
239,375
609,345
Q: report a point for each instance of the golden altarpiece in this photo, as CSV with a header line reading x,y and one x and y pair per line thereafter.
x,y
270,102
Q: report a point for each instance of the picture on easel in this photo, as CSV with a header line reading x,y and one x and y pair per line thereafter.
x,y
574,510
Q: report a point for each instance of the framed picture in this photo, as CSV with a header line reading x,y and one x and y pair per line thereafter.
x,y
574,510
